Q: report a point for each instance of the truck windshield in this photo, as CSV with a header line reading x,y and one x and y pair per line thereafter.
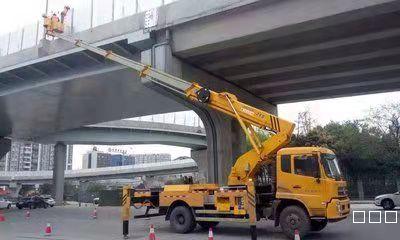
x,y
331,166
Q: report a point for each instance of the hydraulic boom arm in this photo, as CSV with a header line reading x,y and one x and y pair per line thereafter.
x,y
247,165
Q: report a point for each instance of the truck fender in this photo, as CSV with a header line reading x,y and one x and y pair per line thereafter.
x,y
175,204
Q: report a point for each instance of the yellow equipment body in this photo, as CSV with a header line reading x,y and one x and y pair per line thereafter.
x,y
300,188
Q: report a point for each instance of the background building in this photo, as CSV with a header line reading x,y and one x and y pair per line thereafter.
x,y
152,158
68,162
29,156
46,156
98,159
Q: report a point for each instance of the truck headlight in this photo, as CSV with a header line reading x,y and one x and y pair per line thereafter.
x,y
338,207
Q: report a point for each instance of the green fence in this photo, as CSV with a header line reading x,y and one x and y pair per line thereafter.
x,y
110,197
368,186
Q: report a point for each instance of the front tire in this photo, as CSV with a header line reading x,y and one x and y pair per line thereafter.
x,y
8,206
388,204
207,225
292,218
182,220
318,225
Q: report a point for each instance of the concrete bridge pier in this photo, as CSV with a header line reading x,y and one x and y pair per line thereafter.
x,y
60,152
225,140
225,143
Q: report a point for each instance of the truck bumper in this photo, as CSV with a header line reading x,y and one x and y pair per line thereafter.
x,y
338,209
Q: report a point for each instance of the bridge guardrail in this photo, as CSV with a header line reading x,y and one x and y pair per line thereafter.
x,y
84,15
23,175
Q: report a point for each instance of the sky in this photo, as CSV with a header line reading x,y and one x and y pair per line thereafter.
x,y
15,14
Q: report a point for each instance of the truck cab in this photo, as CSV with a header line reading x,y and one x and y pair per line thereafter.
x,y
310,178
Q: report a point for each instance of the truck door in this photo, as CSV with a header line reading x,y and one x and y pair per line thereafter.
x,y
306,184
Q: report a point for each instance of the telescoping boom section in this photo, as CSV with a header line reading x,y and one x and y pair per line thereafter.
x,y
249,117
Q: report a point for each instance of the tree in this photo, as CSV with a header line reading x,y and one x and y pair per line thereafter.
x,y
262,136
384,121
304,122
317,136
46,189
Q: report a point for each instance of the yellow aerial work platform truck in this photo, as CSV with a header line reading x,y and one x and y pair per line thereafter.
x,y
299,188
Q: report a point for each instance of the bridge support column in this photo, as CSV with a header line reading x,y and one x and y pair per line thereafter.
x,y
225,143
60,151
200,157
225,140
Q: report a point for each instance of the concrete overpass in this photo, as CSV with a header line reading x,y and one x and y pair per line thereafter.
x,y
131,171
265,51
124,132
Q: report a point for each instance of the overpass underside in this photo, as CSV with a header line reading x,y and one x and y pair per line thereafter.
x,y
290,51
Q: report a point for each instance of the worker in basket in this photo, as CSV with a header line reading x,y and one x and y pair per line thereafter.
x,y
53,24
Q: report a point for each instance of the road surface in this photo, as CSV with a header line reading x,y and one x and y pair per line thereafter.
x,y
73,223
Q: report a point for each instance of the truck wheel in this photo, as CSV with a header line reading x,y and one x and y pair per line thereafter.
x,y
387,204
207,225
318,225
292,218
182,220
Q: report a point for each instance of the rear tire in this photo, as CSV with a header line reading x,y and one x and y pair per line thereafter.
x,y
318,225
8,206
292,218
182,220
207,225
388,204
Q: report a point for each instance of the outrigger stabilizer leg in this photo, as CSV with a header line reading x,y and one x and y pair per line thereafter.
x,y
126,210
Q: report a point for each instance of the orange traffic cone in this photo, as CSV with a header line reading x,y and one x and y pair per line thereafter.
x,y
47,230
296,235
152,234
2,218
94,214
27,214
210,234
